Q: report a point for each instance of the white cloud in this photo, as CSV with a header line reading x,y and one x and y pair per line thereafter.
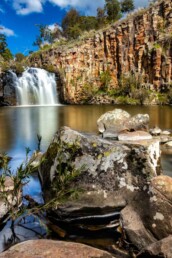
x,y
25,7
89,7
54,26
6,31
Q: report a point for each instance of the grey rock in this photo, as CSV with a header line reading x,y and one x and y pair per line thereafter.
x,y
118,120
138,122
112,171
147,218
162,248
113,119
160,209
135,229
155,131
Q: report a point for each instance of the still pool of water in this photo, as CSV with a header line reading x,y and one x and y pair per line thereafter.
x,y
19,127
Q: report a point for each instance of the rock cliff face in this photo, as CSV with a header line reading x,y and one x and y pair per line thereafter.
x,y
140,44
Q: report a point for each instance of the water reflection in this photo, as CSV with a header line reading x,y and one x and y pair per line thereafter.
x,y
19,126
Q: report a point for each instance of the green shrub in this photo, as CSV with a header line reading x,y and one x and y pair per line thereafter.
x,y
162,98
105,78
126,100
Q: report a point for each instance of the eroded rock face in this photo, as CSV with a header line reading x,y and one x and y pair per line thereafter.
x,y
140,43
49,248
9,92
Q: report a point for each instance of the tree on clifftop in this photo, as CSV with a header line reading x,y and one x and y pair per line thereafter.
x,y
4,51
47,35
113,10
3,43
101,18
70,24
127,6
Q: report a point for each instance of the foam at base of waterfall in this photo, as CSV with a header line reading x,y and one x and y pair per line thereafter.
x,y
36,86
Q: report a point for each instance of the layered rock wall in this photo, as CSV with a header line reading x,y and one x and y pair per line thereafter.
x,y
140,44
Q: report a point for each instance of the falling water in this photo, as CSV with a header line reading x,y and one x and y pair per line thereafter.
x,y
36,87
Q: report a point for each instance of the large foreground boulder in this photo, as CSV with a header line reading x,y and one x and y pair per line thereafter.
x,y
54,249
92,178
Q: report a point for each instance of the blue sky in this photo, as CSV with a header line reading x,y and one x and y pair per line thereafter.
x,y
19,17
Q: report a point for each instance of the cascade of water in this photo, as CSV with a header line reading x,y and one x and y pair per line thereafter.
x,y
36,87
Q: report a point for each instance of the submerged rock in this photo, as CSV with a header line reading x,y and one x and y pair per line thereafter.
x,y
50,248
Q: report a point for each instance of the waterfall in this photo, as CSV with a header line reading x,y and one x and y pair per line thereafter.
x,y
35,87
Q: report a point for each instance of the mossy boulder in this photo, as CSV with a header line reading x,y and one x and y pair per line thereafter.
x,y
91,175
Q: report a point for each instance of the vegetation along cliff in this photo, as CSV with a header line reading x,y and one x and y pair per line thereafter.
x,y
129,61
132,56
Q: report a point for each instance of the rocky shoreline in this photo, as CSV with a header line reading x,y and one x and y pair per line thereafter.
x,y
108,187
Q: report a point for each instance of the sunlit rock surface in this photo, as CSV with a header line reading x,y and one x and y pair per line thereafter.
x,y
49,248
140,44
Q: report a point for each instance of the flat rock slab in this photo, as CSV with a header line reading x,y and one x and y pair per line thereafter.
x,y
134,136
53,249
